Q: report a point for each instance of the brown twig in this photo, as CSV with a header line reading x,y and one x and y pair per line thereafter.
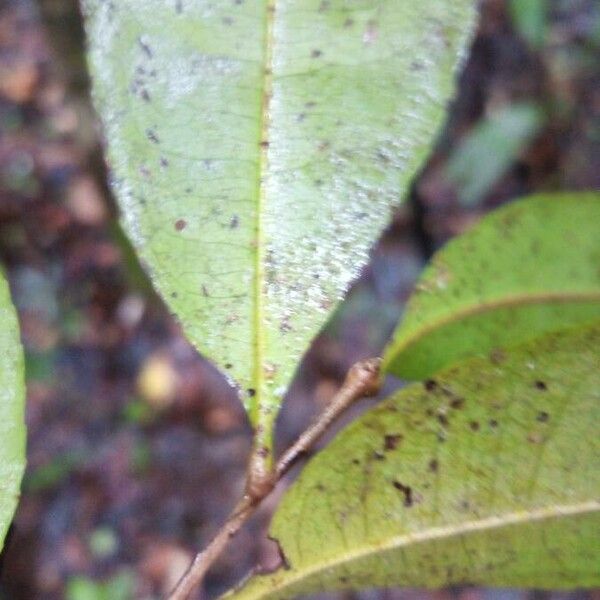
x,y
362,380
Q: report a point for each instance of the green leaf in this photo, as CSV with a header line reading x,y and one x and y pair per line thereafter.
x,y
487,475
528,268
485,154
257,149
12,398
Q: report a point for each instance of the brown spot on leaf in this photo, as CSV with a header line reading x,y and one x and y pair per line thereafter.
x,y
391,441
540,385
430,385
406,491
543,416
180,224
433,465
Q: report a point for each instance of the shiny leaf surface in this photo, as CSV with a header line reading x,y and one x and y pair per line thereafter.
x,y
256,150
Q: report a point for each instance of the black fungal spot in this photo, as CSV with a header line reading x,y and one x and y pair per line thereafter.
x,y
493,423
474,425
164,162
457,403
430,385
543,416
355,461
234,222
180,224
316,53
406,491
391,441
228,365
173,294
433,465
151,135
416,65
264,144
540,385
251,392
320,487
205,292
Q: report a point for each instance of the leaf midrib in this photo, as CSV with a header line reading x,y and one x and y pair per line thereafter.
x,y
263,163
436,533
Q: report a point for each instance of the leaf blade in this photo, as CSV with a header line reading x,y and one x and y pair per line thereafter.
x,y
483,476
280,137
12,420
527,268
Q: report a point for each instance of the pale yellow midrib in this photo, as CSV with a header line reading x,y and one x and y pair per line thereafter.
x,y
265,122
433,533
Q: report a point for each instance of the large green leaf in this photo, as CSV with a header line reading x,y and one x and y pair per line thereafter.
x,y
486,475
12,397
256,149
528,268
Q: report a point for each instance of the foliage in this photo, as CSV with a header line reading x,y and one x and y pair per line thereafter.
x,y
257,148
483,475
12,396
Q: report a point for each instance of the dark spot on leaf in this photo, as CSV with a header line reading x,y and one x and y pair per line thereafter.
x,y
164,162
416,65
543,417
178,7
234,222
318,182
541,385
180,224
301,117
263,452
457,403
493,423
406,491
443,420
205,292
228,365
264,144
348,23
310,104
391,441
320,487
251,392
474,425
433,465
430,385
355,461
316,53
144,95
378,455
151,135
173,294
324,5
